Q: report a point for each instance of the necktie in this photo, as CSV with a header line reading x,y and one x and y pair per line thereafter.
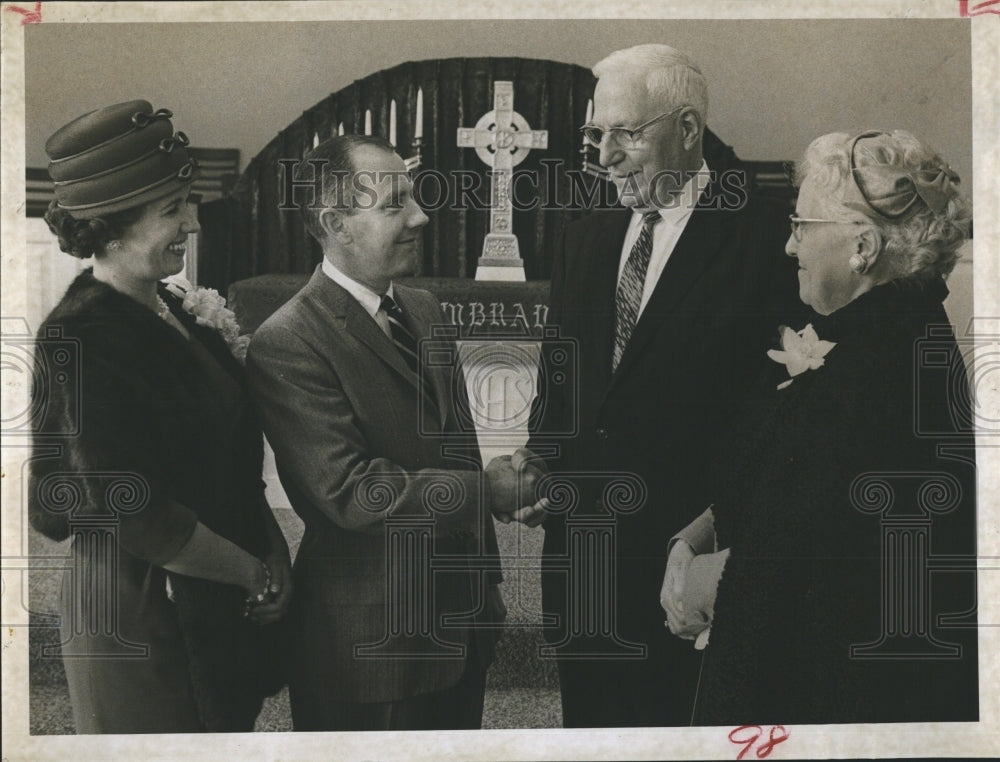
x,y
401,336
629,293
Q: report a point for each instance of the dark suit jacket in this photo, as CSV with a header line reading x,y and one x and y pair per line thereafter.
x,y
695,349
342,412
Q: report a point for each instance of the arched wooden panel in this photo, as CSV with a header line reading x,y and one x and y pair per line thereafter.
x,y
456,92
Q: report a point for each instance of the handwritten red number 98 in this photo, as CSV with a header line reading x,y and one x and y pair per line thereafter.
x,y
748,735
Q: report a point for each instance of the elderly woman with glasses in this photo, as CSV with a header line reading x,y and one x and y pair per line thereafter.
x,y
147,452
851,473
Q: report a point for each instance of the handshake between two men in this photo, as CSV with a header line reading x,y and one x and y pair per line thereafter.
x,y
512,482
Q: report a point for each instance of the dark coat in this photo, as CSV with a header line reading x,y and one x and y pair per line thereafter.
x,y
357,449
876,439
140,404
694,351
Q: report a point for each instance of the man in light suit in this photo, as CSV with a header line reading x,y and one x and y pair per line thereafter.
x,y
670,301
397,571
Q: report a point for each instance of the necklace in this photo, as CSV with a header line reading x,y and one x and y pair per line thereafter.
x,y
162,311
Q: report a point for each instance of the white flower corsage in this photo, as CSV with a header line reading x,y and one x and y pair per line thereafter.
x,y
209,309
800,351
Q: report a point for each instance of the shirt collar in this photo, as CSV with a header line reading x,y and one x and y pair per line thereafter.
x,y
367,298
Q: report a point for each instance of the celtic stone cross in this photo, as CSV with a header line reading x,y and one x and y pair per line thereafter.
x,y
502,139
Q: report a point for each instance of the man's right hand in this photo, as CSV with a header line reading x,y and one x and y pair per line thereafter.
x,y
512,481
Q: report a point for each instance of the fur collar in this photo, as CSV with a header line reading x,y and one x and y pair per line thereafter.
x,y
91,304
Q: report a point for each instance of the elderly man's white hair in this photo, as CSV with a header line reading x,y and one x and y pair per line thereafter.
x,y
671,77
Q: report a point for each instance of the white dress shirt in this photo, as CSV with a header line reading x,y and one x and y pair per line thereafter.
x,y
666,233
368,299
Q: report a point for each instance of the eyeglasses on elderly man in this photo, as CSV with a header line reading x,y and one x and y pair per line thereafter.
x,y
626,137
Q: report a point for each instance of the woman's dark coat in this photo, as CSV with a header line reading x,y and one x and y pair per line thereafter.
x,y
817,484
141,434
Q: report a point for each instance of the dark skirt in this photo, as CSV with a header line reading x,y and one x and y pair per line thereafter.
x,y
138,662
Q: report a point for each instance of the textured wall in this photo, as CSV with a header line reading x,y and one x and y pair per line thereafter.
x,y
774,85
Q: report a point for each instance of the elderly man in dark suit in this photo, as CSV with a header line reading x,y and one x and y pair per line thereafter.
x,y
670,302
396,575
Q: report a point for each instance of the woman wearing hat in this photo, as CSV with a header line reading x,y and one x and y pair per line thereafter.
x,y
148,453
851,471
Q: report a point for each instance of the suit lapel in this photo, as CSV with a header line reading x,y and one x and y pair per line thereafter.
x,y
697,246
602,272
420,321
346,311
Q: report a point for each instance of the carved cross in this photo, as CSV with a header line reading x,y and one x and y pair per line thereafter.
x,y
502,139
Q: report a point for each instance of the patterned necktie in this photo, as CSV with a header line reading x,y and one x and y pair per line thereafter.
x,y
629,293
401,336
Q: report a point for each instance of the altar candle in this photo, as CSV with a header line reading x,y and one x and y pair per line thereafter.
x,y
418,128
368,121
590,111
340,128
315,139
392,122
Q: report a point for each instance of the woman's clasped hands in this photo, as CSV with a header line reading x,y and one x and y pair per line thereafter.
x,y
268,600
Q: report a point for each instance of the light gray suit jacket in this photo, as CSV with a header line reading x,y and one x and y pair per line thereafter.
x,y
342,411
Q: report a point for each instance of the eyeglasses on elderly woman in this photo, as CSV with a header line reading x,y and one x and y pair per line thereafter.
x,y
797,222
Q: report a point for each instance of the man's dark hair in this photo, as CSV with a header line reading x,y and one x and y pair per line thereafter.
x,y
334,157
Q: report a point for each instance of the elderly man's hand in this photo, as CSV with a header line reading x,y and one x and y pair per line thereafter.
x,y
533,515
512,481
524,460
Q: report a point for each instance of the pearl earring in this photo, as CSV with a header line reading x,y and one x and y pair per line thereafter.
x,y
857,263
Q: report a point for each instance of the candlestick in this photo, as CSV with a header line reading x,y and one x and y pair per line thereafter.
x,y
392,122
315,139
368,121
590,111
418,128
